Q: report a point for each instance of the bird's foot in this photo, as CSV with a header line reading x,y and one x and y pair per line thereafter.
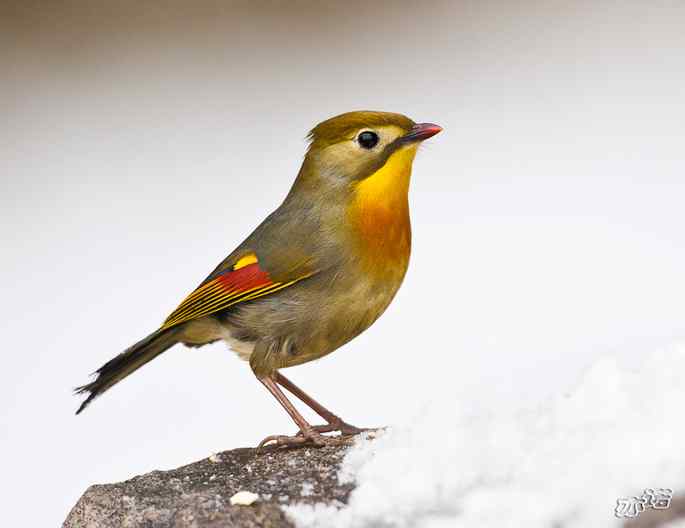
x,y
342,427
310,437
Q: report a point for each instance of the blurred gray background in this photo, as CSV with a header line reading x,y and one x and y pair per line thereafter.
x,y
141,141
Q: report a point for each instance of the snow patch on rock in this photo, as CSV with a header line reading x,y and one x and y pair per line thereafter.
x,y
563,464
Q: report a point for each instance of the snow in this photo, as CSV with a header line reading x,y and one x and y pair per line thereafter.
x,y
562,464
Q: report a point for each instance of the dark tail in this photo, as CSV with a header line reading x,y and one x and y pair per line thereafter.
x,y
126,363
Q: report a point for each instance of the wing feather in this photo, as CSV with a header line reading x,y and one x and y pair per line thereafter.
x,y
243,283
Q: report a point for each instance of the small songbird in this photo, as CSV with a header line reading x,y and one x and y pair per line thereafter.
x,y
315,274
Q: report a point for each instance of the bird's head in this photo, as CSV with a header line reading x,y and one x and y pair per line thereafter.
x,y
355,181
353,146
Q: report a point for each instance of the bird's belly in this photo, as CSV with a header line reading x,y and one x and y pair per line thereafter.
x,y
302,324
209,329
243,349
353,309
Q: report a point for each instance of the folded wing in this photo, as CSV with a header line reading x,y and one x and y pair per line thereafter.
x,y
242,282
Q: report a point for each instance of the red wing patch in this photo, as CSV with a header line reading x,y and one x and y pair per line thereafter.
x,y
239,285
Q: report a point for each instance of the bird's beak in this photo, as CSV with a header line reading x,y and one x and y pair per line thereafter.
x,y
421,131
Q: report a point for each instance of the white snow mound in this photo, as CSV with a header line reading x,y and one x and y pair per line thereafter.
x,y
563,464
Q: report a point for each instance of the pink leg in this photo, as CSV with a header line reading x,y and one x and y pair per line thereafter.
x,y
335,423
307,434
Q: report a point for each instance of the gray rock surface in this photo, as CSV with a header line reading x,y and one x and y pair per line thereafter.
x,y
198,495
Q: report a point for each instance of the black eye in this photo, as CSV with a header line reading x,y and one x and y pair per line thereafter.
x,y
368,139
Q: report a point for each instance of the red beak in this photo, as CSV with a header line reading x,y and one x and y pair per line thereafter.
x,y
421,131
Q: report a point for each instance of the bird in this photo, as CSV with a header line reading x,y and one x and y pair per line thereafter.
x,y
317,272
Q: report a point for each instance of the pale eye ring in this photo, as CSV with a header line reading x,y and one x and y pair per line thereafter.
x,y
367,139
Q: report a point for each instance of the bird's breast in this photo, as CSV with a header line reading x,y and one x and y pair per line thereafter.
x,y
379,217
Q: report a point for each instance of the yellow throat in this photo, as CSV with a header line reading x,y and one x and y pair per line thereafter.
x,y
380,212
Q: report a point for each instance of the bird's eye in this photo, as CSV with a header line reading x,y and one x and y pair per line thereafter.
x,y
368,139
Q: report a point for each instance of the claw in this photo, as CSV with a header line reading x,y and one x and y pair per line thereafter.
x,y
307,437
281,440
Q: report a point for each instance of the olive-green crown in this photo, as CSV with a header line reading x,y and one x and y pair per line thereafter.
x,y
334,129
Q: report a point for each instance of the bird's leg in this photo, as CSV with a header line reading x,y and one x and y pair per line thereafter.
x,y
335,423
307,434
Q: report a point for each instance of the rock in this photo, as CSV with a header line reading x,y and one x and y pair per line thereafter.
x,y
199,495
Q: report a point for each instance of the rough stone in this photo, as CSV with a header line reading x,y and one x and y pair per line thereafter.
x,y
198,495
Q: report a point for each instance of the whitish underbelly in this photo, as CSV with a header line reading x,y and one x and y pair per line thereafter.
x,y
243,349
